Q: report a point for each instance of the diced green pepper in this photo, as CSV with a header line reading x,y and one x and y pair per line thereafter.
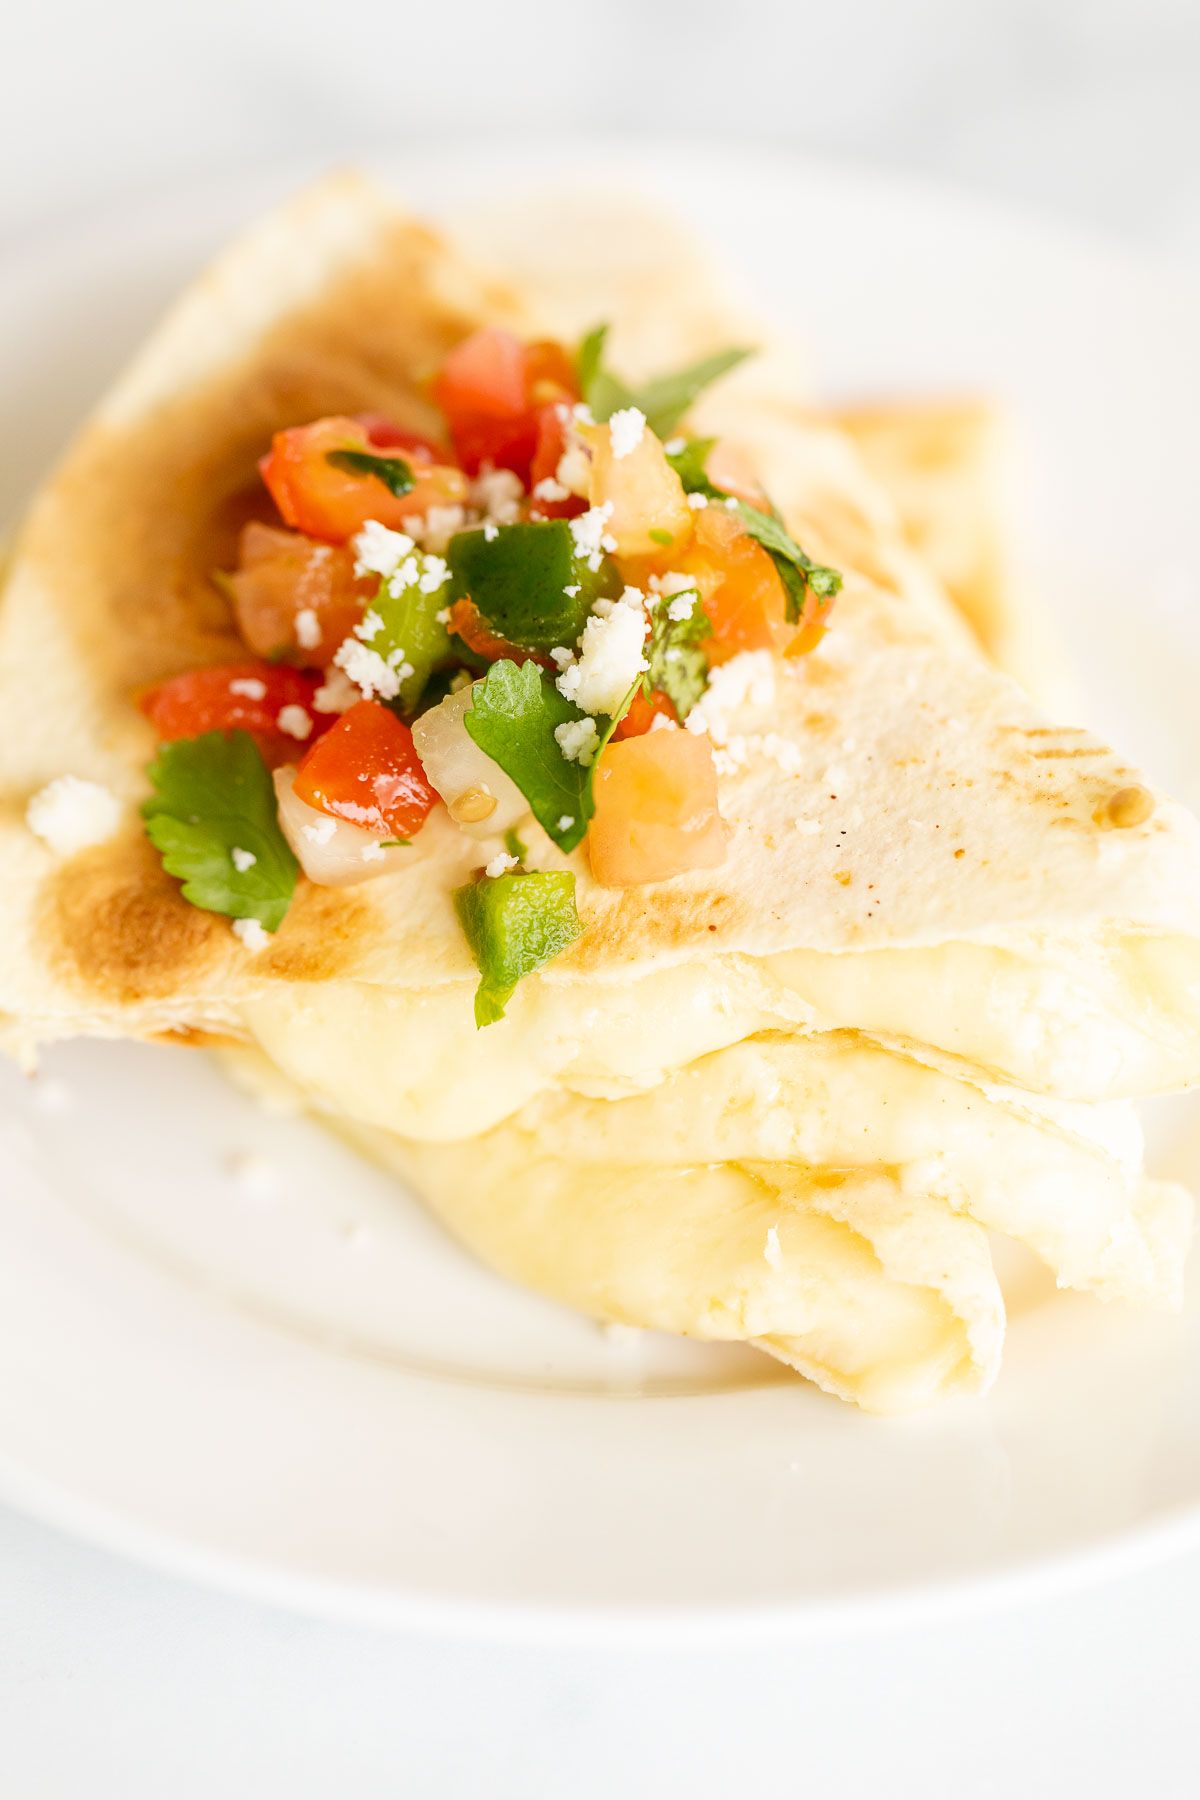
x,y
411,625
518,577
514,924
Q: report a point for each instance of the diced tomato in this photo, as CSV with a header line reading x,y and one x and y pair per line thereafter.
x,y
283,573
650,515
491,389
643,712
739,585
245,696
732,469
656,810
385,434
812,626
548,453
365,770
325,501
549,373
468,623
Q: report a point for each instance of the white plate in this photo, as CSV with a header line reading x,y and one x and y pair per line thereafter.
x,y
309,1392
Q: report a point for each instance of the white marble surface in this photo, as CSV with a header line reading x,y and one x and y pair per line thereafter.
x,y
115,1681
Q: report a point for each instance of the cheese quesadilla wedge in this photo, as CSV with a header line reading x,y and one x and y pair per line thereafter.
x,y
719,838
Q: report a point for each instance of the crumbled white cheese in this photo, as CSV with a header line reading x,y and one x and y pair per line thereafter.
x,y
772,1249
308,628
500,865
50,1095
732,502
745,680
574,471
338,693
379,551
369,671
572,591
626,429
675,446
661,722
782,752
373,853
252,934
581,412
697,502
294,721
589,535
683,605
612,653
242,859
369,626
561,657
249,687
254,1174
441,523
550,489
490,533
320,831
577,739
728,758
70,813
565,822
497,493
673,582
433,574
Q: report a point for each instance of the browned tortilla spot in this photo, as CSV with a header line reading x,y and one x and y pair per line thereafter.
x,y
115,924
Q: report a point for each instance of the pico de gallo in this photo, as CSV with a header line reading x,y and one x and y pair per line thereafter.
x,y
517,619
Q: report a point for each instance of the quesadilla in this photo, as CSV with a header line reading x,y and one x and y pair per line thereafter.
x,y
571,781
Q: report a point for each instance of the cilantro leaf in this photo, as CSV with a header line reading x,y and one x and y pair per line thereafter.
x,y
664,400
678,665
395,474
775,538
797,571
515,711
214,794
691,466
602,390
514,924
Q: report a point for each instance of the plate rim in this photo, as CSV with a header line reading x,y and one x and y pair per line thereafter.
x,y
1120,1551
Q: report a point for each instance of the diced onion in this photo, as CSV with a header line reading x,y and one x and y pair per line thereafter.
x,y
331,858
464,777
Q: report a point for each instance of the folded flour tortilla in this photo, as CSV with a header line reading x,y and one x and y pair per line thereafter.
x,y
931,965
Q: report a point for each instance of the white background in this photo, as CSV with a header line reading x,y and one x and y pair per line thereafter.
x,y
114,1681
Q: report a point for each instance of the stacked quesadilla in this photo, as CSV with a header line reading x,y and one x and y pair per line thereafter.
x,y
574,783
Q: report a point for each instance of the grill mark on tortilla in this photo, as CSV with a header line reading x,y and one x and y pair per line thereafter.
x,y
112,922
1069,755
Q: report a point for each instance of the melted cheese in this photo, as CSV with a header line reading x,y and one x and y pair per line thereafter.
x,y
414,1063
879,1296
1086,1019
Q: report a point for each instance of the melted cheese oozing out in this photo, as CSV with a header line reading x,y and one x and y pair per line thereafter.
x,y
414,1063
1088,1019
684,1250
